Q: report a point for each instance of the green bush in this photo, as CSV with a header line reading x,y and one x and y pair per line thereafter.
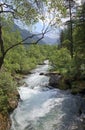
x,y
7,86
61,60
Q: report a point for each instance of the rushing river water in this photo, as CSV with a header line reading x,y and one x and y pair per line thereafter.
x,y
42,108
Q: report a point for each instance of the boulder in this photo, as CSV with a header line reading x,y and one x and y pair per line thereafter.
x,y
42,73
54,79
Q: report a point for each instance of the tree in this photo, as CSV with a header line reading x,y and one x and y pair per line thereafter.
x,y
79,39
70,4
78,31
65,38
22,10
27,11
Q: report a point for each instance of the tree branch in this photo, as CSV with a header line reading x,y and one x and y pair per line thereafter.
x,y
6,8
19,43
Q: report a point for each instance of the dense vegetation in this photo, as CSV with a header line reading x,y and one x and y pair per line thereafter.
x,y
76,69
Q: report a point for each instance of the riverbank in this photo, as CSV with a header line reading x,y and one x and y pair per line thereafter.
x,y
10,102
57,80
5,122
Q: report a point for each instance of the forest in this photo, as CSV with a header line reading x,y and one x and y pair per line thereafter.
x,y
18,59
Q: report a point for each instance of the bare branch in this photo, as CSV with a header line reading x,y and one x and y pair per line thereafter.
x,y
6,8
40,38
19,43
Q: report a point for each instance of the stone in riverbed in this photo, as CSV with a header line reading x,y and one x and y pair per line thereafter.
x,y
54,79
42,73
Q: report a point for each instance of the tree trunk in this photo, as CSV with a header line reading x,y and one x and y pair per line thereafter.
x,y
71,30
1,48
1,61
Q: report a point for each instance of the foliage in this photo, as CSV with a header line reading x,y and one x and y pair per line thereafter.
x,y
25,11
61,60
22,60
19,9
3,102
7,85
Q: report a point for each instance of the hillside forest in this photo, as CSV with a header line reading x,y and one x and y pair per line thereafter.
x,y
18,59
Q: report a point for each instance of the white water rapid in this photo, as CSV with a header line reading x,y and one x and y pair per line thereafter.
x,y
42,108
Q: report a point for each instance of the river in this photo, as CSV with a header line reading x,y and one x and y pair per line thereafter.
x,y
43,108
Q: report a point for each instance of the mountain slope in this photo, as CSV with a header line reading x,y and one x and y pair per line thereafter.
x,y
24,33
46,40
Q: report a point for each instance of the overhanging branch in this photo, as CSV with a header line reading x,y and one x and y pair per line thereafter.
x,y
19,43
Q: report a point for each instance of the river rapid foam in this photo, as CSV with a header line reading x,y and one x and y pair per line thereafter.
x,y
41,108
